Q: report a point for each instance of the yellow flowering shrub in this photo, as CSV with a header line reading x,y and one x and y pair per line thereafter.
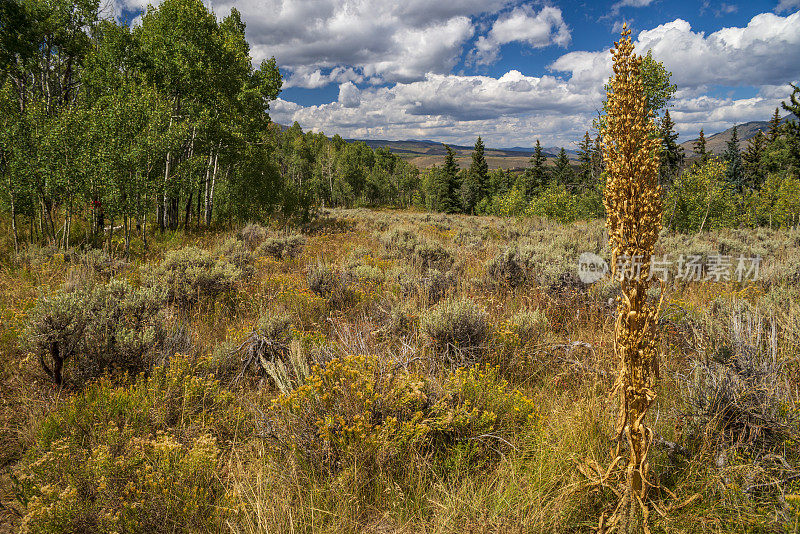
x,y
358,409
140,458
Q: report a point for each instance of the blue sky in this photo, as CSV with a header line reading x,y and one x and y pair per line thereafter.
x,y
508,70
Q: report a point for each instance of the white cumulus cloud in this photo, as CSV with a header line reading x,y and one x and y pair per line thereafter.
x,y
383,40
524,25
766,51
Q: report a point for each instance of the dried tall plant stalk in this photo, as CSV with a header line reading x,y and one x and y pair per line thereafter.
x,y
633,207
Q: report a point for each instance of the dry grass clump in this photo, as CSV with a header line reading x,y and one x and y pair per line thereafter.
x,y
737,388
456,329
111,327
268,351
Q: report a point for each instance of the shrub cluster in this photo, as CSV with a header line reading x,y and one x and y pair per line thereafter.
x,y
422,253
111,327
512,267
356,411
530,326
287,247
239,253
457,329
431,286
190,274
132,459
330,285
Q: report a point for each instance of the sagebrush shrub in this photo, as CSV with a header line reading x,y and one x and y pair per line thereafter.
x,y
253,234
239,253
330,285
191,274
111,327
285,247
422,253
401,321
432,255
512,267
367,273
530,325
400,241
322,280
456,329
431,286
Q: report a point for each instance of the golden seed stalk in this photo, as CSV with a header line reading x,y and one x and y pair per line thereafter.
x,y
633,207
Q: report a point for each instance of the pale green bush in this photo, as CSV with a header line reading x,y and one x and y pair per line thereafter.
x,y
112,327
530,326
456,328
191,274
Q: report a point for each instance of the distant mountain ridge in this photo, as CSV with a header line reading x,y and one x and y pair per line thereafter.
x,y
425,153
426,147
716,143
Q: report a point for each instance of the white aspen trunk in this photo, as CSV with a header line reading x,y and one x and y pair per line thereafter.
x,y
207,185
210,203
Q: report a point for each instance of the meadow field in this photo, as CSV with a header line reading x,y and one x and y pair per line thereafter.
x,y
388,371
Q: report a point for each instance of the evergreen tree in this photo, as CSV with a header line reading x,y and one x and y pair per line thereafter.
x,y
792,128
774,126
597,159
699,148
479,167
753,159
671,152
535,176
585,160
474,184
733,159
450,202
563,173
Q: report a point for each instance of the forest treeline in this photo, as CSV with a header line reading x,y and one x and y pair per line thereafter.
x,y
164,124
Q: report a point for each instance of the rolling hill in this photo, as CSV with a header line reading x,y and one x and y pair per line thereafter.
x,y
425,154
717,142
